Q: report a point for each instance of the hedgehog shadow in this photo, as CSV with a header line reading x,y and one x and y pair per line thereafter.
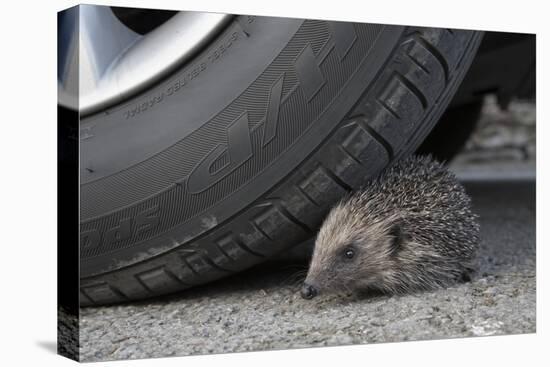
x,y
363,296
374,295
267,277
274,276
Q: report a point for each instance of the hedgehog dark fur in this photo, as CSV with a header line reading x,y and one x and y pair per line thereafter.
x,y
410,229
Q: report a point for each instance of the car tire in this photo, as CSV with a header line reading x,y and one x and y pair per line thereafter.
x,y
240,153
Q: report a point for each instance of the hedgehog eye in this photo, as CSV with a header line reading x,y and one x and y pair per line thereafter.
x,y
349,253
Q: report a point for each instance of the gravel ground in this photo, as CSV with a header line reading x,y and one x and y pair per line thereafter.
x,y
261,309
68,333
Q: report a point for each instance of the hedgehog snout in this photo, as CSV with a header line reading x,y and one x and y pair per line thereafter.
x,y
309,291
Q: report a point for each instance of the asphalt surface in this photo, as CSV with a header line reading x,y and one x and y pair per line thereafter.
x,y
261,309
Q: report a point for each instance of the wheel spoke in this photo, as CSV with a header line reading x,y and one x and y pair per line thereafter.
x,y
110,62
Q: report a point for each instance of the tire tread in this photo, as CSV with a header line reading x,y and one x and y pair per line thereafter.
x,y
372,137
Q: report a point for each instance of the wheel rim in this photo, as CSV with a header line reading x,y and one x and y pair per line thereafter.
x,y
102,62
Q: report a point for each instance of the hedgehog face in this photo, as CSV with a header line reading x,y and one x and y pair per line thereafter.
x,y
352,252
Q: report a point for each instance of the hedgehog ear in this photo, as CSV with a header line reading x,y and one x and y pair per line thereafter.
x,y
397,236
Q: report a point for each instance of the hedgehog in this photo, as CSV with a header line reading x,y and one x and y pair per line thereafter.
x,y
410,229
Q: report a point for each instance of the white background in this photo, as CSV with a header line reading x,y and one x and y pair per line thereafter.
x,y
28,93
